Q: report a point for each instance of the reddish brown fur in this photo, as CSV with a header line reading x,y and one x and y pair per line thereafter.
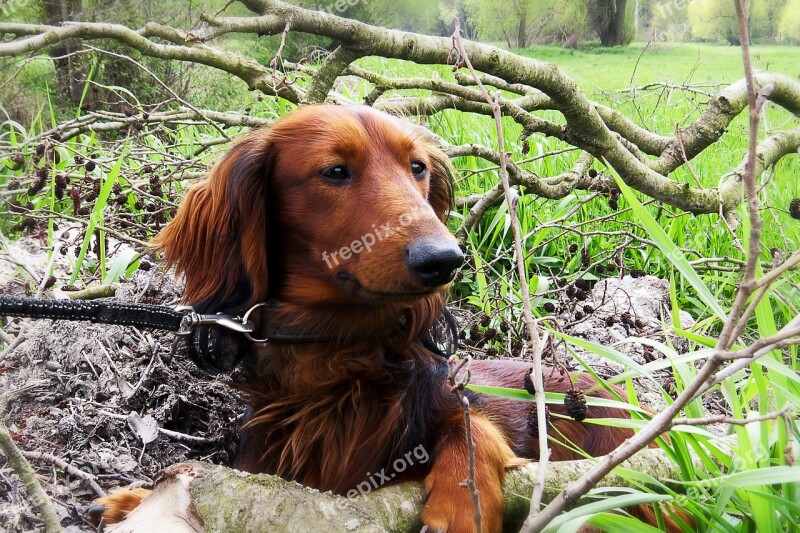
x,y
119,503
329,414
448,503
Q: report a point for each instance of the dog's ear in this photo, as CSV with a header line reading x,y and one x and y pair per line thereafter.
x,y
440,195
218,236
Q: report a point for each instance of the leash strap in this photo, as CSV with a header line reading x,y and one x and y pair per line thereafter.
x,y
120,313
183,320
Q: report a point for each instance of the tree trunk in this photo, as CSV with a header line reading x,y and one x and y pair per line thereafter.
x,y
522,29
612,33
70,69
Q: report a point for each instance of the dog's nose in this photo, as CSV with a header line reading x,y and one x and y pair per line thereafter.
x,y
434,263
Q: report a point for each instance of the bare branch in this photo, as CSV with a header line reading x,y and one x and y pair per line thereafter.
x,y
722,419
457,386
77,472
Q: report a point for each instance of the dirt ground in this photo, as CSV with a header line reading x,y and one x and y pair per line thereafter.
x,y
114,403
91,391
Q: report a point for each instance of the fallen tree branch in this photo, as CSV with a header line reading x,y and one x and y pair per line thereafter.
x,y
592,127
228,500
457,386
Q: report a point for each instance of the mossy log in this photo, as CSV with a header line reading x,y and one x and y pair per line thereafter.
x,y
197,496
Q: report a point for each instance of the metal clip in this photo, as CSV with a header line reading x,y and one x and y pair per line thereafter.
x,y
191,319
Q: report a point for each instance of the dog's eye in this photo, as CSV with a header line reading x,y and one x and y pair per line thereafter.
x,y
418,169
337,173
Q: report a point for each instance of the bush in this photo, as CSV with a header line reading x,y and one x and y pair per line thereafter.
x,y
789,23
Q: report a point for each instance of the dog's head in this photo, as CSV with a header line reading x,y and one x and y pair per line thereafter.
x,y
330,206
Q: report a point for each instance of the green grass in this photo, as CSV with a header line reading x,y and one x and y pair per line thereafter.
x,y
620,67
661,111
733,495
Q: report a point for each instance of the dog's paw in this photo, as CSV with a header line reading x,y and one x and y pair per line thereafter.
x,y
115,507
448,513
449,508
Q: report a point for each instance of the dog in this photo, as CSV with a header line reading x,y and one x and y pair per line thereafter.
x,y
334,216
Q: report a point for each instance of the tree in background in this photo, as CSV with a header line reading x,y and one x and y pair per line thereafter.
x,y
70,69
612,21
570,22
520,23
764,26
715,20
72,64
457,8
421,16
508,21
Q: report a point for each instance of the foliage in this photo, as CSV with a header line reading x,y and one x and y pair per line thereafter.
x,y
789,22
506,21
715,20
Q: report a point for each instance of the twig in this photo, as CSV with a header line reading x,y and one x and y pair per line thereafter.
x,y
457,386
278,57
222,10
533,332
94,292
776,272
168,432
46,276
686,161
61,463
722,419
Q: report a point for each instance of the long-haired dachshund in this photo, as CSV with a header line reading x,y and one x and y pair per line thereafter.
x,y
334,217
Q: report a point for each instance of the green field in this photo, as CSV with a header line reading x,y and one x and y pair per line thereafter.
x,y
617,68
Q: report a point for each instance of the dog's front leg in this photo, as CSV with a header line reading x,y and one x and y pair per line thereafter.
x,y
449,506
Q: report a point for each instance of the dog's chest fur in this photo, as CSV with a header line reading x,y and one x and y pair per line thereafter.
x,y
333,422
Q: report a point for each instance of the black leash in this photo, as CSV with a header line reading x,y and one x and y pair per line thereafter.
x,y
183,320
100,312
206,338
